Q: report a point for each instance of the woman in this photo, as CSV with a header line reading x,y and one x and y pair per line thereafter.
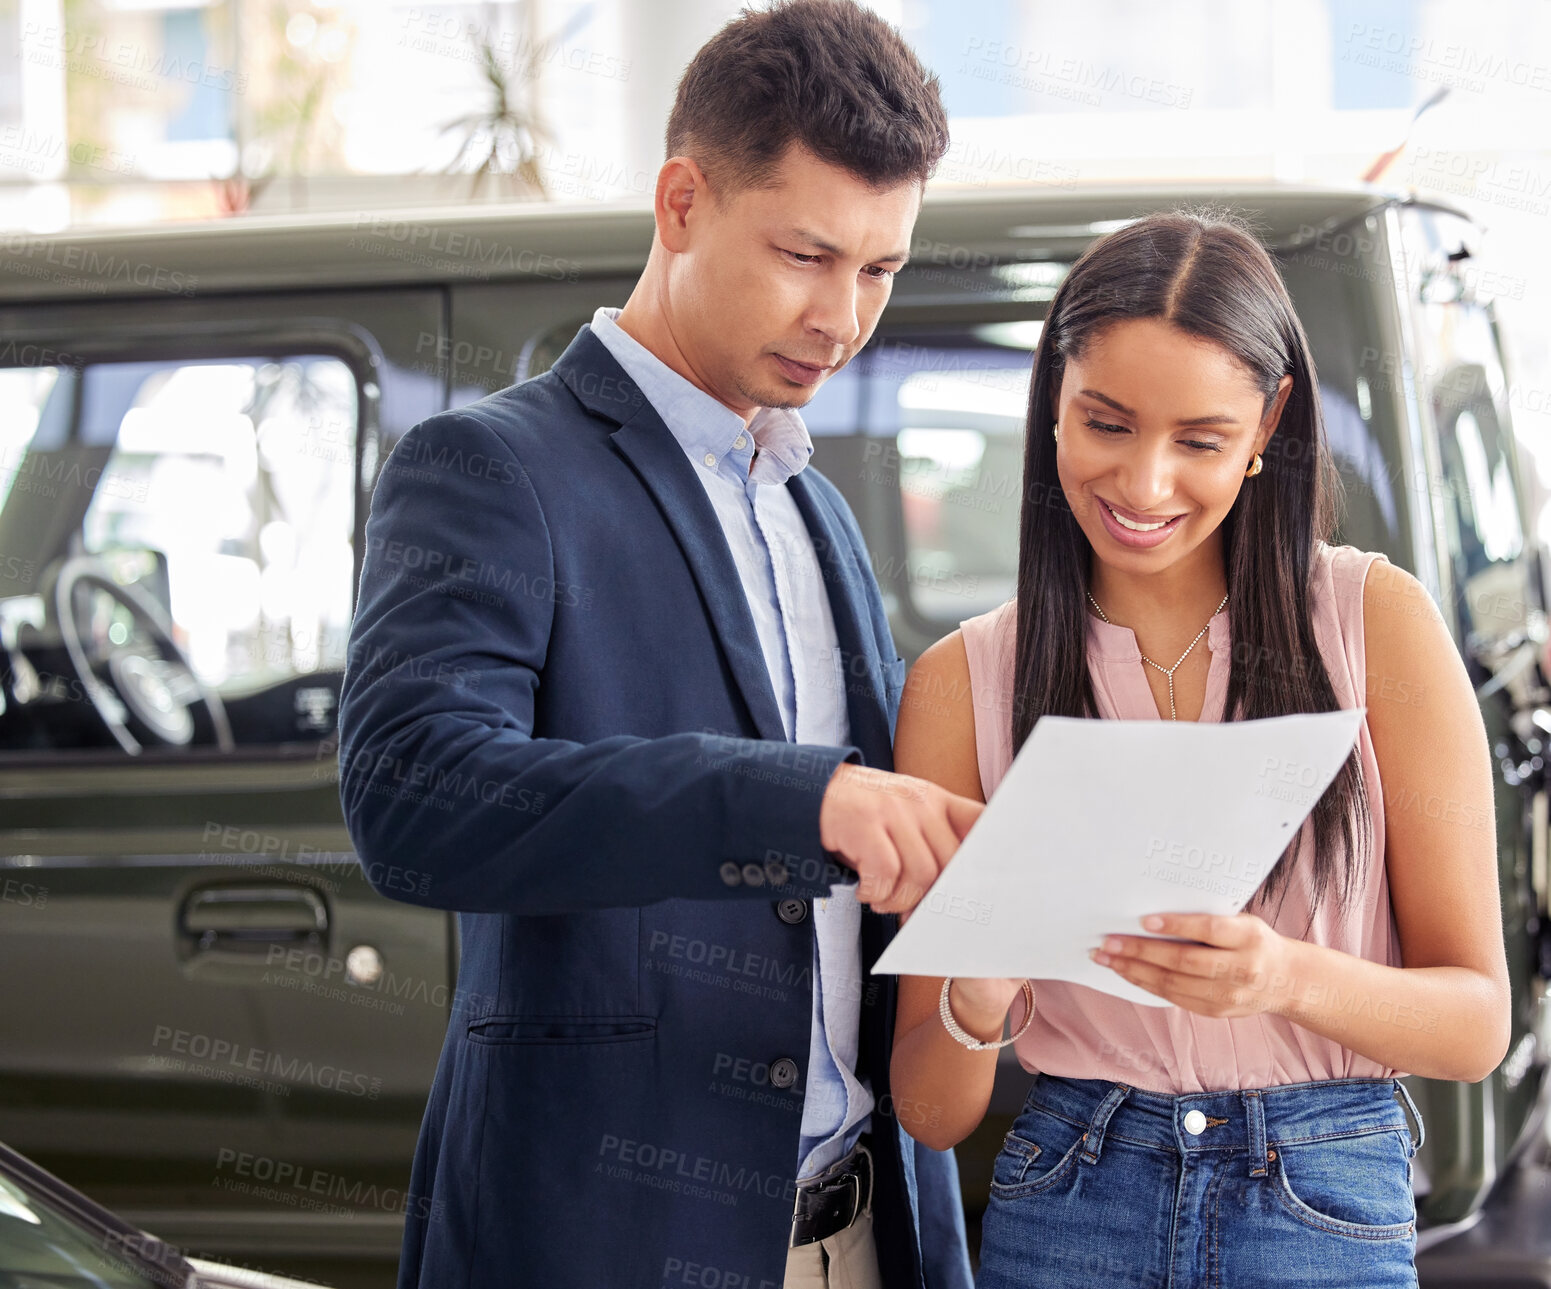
x,y
1173,565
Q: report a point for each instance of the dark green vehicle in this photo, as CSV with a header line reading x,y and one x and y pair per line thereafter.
x,y
214,1025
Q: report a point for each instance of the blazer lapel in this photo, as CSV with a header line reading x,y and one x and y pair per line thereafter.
x,y
596,378
866,703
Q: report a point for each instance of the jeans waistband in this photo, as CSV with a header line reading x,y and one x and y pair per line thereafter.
x,y
1246,1119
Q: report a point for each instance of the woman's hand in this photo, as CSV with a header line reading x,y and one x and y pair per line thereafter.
x,y
1240,968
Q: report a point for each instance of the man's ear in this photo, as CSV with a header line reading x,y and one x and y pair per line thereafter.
x,y
680,186
1273,416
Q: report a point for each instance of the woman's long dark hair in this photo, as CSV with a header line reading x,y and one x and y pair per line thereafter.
x,y
1210,278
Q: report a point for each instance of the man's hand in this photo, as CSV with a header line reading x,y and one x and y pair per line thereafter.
x,y
896,831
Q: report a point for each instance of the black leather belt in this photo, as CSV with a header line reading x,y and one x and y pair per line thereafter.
x,y
830,1202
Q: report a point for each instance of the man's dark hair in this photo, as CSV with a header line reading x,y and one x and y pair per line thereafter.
x,y
825,74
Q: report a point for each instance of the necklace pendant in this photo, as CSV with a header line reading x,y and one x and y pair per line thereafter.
x,y
1167,671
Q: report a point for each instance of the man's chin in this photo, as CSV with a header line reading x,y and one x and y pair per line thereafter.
x,y
782,395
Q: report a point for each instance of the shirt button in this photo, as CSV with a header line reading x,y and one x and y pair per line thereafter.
x,y
740,442
709,458
783,1072
1195,1123
791,911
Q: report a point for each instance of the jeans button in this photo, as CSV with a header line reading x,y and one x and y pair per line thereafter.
x,y
1195,1123
792,911
783,1072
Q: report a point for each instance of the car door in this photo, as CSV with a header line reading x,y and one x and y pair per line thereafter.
x,y
1491,596
214,1024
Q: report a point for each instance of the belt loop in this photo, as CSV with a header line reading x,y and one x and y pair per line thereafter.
x,y
1255,1112
1421,1127
1094,1137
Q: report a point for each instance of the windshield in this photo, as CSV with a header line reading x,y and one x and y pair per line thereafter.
x,y
43,1244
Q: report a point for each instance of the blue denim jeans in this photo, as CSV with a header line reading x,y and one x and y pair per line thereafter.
x,y
1306,1184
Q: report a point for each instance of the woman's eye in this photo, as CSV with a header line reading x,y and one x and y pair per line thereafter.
x,y
1103,427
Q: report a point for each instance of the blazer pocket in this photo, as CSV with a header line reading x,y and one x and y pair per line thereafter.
x,y
541,1030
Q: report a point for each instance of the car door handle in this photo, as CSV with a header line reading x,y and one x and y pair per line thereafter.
x,y
231,917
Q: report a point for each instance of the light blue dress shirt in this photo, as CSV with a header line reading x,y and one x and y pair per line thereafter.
x,y
784,586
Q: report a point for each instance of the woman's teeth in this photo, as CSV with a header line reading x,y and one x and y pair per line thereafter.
x,y
1132,524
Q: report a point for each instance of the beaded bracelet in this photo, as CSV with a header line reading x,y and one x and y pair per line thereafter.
x,y
969,1040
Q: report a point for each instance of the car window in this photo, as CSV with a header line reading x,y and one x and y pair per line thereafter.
x,y
944,420
24,394
1459,378
1468,393
201,513
38,1247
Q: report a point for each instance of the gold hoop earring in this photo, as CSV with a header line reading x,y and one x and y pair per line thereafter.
x,y
1055,430
1254,468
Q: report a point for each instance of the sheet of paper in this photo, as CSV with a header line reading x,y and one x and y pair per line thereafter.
x,y
1101,822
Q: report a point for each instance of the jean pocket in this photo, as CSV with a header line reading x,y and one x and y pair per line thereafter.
x,y
1357,1185
1041,1149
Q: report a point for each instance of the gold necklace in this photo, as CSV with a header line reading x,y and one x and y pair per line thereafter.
x,y
1167,671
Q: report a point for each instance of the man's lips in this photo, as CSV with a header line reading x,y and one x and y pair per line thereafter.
x,y
803,372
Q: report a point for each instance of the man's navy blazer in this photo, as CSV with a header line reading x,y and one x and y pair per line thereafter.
x,y
557,720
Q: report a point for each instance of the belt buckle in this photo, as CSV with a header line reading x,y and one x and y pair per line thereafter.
x,y
820,1186
856,1207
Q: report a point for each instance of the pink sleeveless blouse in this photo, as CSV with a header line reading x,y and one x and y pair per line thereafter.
x,y
1080,1032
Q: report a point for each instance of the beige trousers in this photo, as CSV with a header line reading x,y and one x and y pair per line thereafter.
x,y
847,1260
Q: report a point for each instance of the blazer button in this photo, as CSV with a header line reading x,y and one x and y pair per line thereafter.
x,y
783,1072
792,911
731,873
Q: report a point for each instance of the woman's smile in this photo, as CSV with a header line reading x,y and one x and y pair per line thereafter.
x,y
1125,526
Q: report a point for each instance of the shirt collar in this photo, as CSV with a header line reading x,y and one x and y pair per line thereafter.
x,y
706,429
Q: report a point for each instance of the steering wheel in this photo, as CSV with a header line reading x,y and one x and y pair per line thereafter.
x,y
156,691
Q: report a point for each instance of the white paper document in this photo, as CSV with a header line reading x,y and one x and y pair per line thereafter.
x,y
1101,822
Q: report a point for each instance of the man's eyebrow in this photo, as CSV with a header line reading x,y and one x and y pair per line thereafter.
x,y
811,239
1219,419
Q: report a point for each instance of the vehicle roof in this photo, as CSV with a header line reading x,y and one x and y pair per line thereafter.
x,y
502,241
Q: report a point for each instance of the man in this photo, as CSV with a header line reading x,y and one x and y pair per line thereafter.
x,y
633,768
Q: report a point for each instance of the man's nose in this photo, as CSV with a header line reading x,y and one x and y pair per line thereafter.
x,y
833,312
